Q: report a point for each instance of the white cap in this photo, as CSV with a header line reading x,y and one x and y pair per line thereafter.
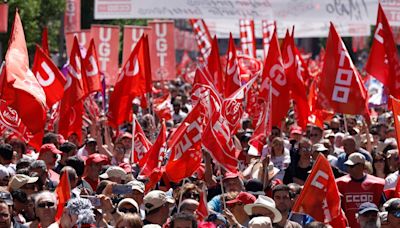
x,y
355,158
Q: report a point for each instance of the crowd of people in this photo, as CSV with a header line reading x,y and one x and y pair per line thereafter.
x,y
107,190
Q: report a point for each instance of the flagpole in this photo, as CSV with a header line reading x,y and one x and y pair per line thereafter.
x,y
345,123
222,188
133,138
267,119
181,195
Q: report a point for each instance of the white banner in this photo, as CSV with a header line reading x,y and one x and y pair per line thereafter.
x,y
222,28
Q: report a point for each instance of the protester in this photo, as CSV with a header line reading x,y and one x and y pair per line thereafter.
x,y
367,215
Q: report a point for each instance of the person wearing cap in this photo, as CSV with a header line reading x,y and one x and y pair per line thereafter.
x,y
94,164
68,149
393,213
350,146
48,153
358,187
260,222
263,206
38,168
284,202
115,174
235,209
320,148
296,133
367,215
89,148
128,205
157,205
23,182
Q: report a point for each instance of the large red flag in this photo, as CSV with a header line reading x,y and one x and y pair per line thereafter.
x,y
163,107
320,195
49,77
63,191
185,145
383,62
340,84
293,68
217,140
232,76
262,129
141,145
203,36
214,67
19,87
71,121
90,70
45,41
274,72
132,81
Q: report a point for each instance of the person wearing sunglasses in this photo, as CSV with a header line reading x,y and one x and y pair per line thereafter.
x,y
45,209
128,205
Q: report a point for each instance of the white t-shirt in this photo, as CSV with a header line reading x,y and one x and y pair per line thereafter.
x,y
281,162
391,180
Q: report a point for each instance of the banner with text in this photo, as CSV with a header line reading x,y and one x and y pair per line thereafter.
x,y
72,16
162,50
106,39
83,36
132,35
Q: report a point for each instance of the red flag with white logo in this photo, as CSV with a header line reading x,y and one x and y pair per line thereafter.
x,y
163,107
217,139
90,70
49,77
340,84
141,144
247,37
132,36
383,62
293,70
19,87
232,78
84,36
274,72
203,37
71,121
214,67
132,81
320,195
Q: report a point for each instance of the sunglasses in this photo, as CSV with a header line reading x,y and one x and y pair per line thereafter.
x,y
128,210
46,205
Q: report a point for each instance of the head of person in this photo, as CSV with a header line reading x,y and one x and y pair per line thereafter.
x,y
157,205
18,146
51,138
22,204
393,209
232,182
260,222
316,224
126,140
48,153
334,125
129,221
355,165
295,190
90,145
24,162
275,132
183,220
188,191
95,162
236,206
349,144
68,149
46,206
296,133
39,167
315,134
379,163
76,163
72,176
305,148
74,138
177,106
6,154
4,176
319,148
119,151
137,191
263,206
76,207
189,206
5,214
115,174
128,205
282,196
277,146
392,159
367,215
23,182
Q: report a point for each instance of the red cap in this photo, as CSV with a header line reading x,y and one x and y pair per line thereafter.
x,y
230,175
243,197
49,147
97,158
296,130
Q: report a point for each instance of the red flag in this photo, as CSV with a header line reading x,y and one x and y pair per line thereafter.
x,y
340,84
19,87
90,70
383,62
214,67
202,211
274,72
71,121
155,156
45,41
132,81
232,78
395,103
141,145
247,37
217,140
203,36
63,191
293,68
262,129
185,145
49,77
320,195
268,28
163,107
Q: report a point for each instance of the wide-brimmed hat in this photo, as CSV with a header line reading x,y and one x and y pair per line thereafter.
x,y
265,202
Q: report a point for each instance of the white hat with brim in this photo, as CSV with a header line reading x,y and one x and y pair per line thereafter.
x,y
114,171
265,202
355,158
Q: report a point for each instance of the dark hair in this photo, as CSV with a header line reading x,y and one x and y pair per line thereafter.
x,y
19,195
67,147
24,162
6,151
50,137
18,143
296,187
183,216
376,153
283,188
23,171
38,164
76,163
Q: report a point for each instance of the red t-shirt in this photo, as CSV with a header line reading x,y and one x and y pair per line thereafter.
x,y
354,192
93,183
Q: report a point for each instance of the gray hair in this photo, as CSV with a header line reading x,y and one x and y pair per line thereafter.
x,y
86,216
76,205
38,164
44,194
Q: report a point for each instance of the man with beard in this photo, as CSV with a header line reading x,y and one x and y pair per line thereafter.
x,y
284,202
367,216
